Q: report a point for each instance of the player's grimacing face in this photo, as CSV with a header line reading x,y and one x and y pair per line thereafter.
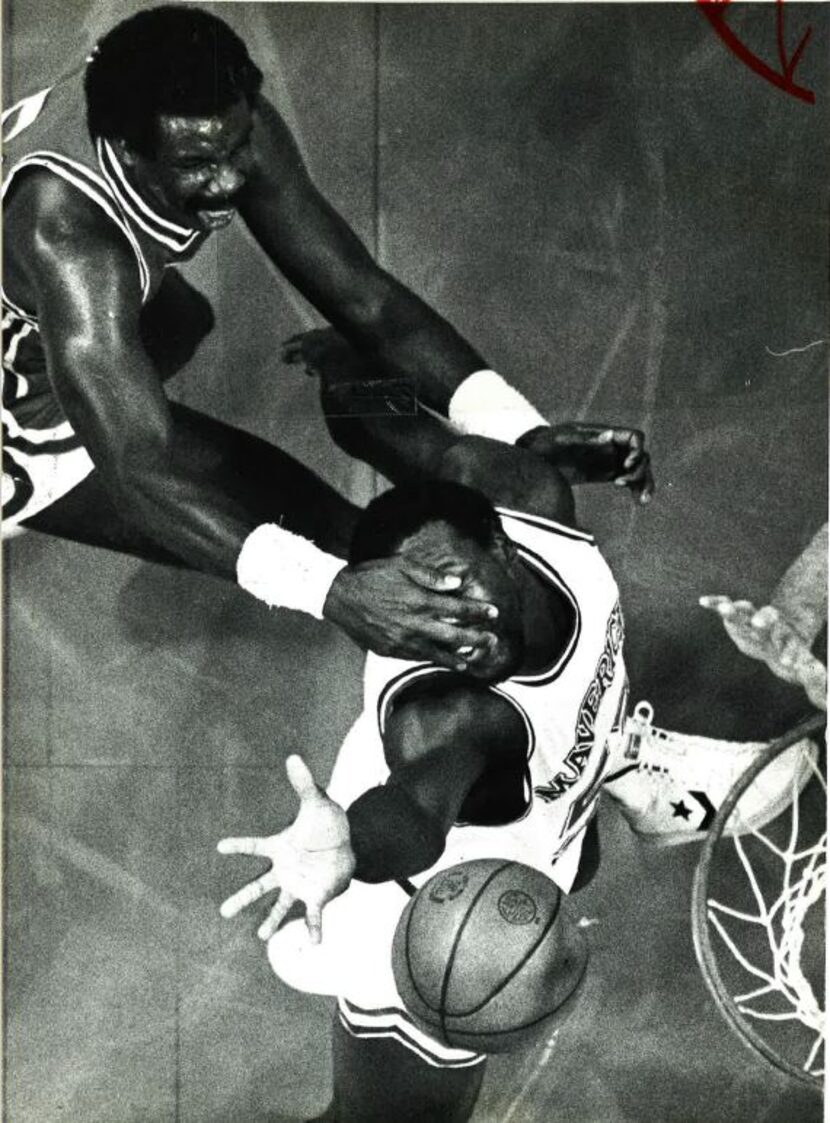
x,y
198,167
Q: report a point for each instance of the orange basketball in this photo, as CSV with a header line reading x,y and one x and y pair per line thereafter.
x,y
484,958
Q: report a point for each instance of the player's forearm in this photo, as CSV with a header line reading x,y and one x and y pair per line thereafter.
x,y
409,341
193,516
801,594
403,447
392,836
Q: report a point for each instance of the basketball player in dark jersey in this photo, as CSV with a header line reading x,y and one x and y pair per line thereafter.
x,y
111,177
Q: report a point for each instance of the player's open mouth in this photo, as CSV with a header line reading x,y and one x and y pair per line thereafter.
x,y
215,217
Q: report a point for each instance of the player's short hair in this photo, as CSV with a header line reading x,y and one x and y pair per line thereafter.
x,y
171,60
400,512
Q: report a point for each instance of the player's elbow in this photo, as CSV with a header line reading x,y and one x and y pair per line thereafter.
x,y
407,860
378,312
138,470
392,835
461,462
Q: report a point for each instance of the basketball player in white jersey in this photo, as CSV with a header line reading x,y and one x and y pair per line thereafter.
x,y
114,175
506,761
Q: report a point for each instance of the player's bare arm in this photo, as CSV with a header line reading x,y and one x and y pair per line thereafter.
x,y
374,417
168,480
448,752
312,245
162,477
406,444
443,747
318,252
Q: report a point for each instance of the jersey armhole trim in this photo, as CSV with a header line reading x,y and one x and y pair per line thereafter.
x,y
399,683
547,524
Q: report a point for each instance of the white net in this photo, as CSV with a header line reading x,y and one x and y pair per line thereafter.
x,y
765,934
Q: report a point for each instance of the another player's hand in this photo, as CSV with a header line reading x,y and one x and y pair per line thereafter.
x,y
765,635
351,383
396,607
325,353
585,452
311,861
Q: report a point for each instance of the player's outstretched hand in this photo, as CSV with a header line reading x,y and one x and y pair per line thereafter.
x,y
325,353
764,634
311,861
396,607
351,382
586,452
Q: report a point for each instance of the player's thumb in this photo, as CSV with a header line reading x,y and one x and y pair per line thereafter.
x,y
300,778
720,604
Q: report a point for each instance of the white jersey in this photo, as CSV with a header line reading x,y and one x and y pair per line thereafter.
x,y
569,709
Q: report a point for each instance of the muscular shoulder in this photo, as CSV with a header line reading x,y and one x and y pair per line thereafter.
x,y
52,229
448,712
509,477
48,210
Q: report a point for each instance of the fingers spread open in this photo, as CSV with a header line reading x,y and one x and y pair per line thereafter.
x,y
276,915
249,893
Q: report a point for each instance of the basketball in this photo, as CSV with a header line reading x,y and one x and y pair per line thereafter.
x,y
484,958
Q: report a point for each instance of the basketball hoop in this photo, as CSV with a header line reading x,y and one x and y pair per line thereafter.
x,y
763,929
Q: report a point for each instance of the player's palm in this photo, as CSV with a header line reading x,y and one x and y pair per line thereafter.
x,y
765,635
325,353
311,860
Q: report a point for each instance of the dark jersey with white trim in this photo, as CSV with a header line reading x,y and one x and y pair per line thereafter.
x,y
568,709
48,131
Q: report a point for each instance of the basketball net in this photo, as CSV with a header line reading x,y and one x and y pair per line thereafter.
x,y
784,993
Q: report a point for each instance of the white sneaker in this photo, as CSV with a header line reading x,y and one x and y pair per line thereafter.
x,y
669,786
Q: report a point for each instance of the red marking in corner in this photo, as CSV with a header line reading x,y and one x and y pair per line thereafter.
x,y
715,12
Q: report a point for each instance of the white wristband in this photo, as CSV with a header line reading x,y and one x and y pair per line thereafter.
x,y
285,570
487,406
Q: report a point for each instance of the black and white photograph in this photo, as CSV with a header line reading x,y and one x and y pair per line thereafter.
x,y
414,563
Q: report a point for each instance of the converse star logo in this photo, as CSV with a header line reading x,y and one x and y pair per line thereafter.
x,y
681,811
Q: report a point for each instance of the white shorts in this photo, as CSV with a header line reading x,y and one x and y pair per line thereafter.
x,y
354,963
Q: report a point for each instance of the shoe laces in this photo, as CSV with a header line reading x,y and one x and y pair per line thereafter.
x,y
642,734
638,727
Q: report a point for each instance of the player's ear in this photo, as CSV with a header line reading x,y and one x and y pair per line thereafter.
x,y
126,155
506,547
